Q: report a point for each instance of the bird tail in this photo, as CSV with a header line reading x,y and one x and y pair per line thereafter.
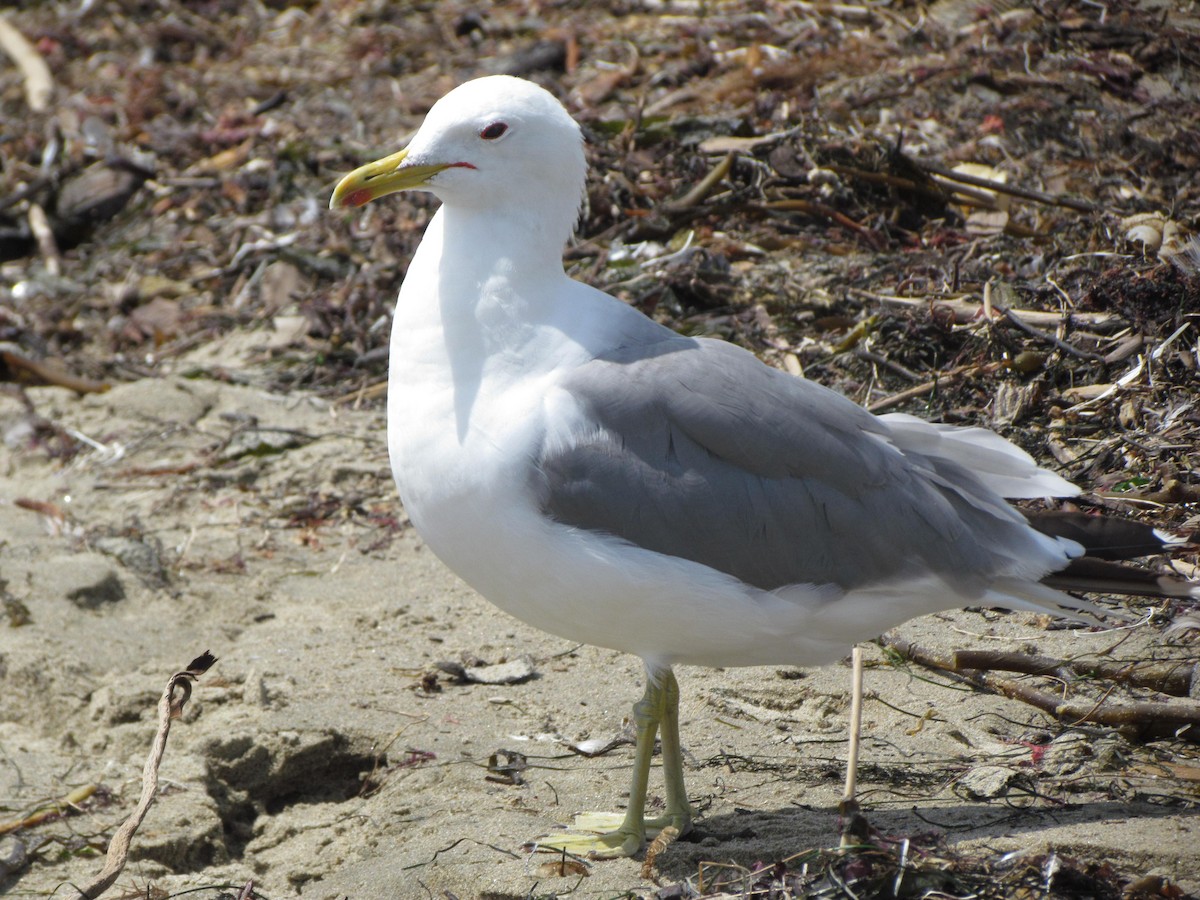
x,y
1107,541
1101,576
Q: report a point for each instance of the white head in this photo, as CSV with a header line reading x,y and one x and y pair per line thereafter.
x,y
498,146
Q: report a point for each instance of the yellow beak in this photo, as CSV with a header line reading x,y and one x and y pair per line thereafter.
x,y
384,176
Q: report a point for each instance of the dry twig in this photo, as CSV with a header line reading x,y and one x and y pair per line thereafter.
x,y
1168,677
170,707
966,311
47,244
19,368
50,811
697,194
1051,339
1146,719
823,210
1002,188
927,387
38,83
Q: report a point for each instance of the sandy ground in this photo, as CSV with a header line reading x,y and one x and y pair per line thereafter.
x,y
195,507
326,756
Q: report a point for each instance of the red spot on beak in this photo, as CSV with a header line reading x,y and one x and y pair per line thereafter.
x,y
357,198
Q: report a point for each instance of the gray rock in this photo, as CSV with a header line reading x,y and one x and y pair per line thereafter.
x,y
261,442
13,855
988,782
139,555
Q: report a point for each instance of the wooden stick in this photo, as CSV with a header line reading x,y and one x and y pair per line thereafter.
x,y
933,190
17,367
965,311
1174,678
1002,188
821,209
856,690
1147,720
39,86
1062,345
47,245
705,186
52,810
927,387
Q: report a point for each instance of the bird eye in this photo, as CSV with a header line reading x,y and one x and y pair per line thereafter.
x,y
493,131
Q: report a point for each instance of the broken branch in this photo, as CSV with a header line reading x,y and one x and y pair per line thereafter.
x,y
1146,719
828,212
1175,678
1062,345
18,368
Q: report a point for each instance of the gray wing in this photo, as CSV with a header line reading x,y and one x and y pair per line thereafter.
x,y
700,451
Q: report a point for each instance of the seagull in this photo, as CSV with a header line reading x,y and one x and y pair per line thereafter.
x,y
607,480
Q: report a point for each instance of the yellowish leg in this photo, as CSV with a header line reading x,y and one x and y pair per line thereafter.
x,y
679,812
659,706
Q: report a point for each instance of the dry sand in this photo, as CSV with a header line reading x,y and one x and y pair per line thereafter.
x,y
323,758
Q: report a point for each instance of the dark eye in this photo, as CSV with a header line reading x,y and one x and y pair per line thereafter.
x,y
493,131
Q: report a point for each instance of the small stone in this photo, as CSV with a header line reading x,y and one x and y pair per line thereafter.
x,y
13,855
135,554
512,672
988,782
261,442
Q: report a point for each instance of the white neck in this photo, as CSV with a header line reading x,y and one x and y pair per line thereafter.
x,y
498,284
523,245
493,273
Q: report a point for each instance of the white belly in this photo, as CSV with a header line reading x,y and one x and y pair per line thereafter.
x,y
472,498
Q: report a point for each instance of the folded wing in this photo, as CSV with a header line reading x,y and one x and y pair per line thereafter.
x,y
711,456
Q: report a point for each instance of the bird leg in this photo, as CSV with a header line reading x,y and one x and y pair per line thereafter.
x,y
679,812
659,707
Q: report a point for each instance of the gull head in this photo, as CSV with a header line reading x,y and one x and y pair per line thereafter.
x,y
499,145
